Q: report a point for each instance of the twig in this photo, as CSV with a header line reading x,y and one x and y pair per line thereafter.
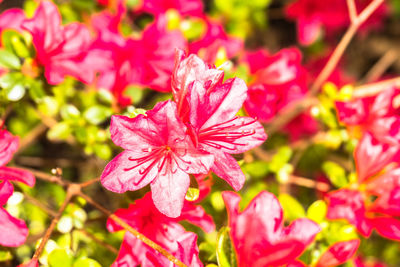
x,y
90,182
296,107
101,242
70,194
31,136
40,205
46,177
129,228
375,88
381,66
351,5
297,180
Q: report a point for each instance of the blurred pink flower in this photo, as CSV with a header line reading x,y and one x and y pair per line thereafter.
x,y
258,234
165,231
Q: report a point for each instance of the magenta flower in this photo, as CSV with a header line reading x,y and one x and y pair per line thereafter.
x,y
313,16
165,231
157,151
184,7
258,234
214,39
13,231
12,19
209,107
338,253
60,49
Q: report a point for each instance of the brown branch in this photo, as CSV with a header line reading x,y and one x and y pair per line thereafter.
x,y
49,231
351,5
97,240
381,66
305,182
130,229
40,205
296,107
375,88
46,177
89,182
32,136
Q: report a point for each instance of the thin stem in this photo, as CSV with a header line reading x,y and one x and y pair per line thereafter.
x,y
97,240
53,223
381,66
46,177
351,5
305,182
31,136
375,88
296,107
90,182
130,229
40,205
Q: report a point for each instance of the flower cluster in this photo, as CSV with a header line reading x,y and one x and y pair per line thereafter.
x,y
194,134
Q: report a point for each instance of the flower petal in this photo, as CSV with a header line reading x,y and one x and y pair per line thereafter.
x,y
339,253
387,227
18,175
168,191
303,230
127,172
6,190
227,168
13,231
8,146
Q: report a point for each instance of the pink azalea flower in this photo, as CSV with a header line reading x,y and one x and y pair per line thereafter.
x,y
376,114
184,7
214,39
13,231
157,151
258,234
356,206
60,49
157,55
209,107
277,80
313,16
12,19
349,204
338,253
165,231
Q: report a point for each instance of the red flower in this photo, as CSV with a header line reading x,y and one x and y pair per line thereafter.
x,y
209,107
314,15
159,152
258,234
13,231
165,231
338,253
60,49
376,114
184,7
214,39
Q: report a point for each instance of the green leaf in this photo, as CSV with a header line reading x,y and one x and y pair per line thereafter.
x,y
335,173
317,211
16,92
60,131
280,158
192,194
86,262
291,207
103,151
257,169
9,60
226,255
69,112
5,255
60,258
97,114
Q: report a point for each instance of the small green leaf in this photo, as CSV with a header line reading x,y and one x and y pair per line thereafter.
x,y
97,114
103,151
226,255
9,60
69,112
317,211
86,262
5,255
16,92
60,131
257,169
291,207
60,258
192,194
335,173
